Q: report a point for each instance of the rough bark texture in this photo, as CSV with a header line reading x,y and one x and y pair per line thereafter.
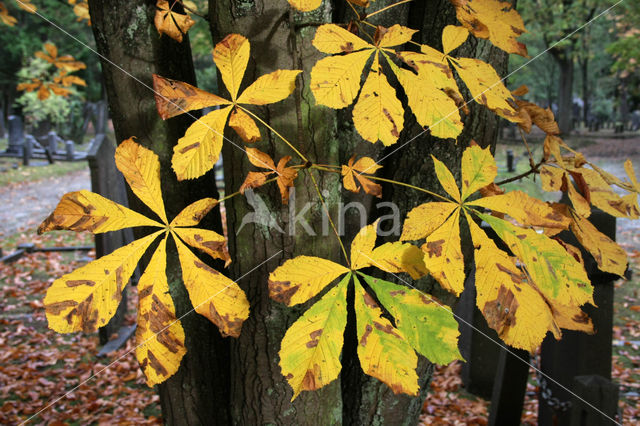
x,y
125,34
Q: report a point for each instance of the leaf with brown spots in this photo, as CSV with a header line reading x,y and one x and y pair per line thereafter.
x,y
210,242
87,211
311,347
397,257
286,175
299,279
354,171
426,324
383,351
244,126
159,335
443,254
362,246
174,97
212,294
88,297
194,212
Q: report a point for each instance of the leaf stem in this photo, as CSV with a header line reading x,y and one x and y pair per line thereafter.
x,y
274,131
524,139
333,225
534,169
417,188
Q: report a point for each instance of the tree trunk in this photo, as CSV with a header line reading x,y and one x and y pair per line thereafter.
x,y
125,34
282,39
584,66
565,90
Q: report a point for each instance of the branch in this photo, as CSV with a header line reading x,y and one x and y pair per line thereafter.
x,y
534,169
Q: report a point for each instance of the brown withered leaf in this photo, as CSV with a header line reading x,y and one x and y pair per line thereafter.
x,y
354,170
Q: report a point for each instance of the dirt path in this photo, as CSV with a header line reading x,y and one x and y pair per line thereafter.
x,y
24,206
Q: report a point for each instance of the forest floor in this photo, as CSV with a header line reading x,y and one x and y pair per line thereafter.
x,y
58,378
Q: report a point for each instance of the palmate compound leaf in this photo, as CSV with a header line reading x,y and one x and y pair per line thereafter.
x,y
159,334
557,277
285,175
170,22
88,297
354,171
498,21
308,361
199,149
310,349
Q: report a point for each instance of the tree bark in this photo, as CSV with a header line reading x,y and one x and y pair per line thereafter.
x,y
125,34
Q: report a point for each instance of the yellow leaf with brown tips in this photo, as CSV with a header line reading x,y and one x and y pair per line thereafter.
x,y
394,35
493,19
305,5
260,159
199,149
299,279
170,22
212,294
194,212
254,180
231,56
159,335
87,211
311,347
141,168
210,242
383,351
88,297
354,171
244,126
175,97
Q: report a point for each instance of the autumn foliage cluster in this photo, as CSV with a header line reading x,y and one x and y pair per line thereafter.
x,y
536,286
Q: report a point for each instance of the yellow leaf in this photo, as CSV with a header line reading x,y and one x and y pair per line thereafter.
x,y
141,168
310,349
254,180
362,246
194,212
331,38
446,179
270,88
478,169
244,126
212,294
432,66
199,149
511,306
175,97
86,211
305,5
580,204
26,5
395,35
382,349
231,56
260,159
601,195
426,324
443,255
159,336
378,114
525,209
552,178
171,23
286,176
609,256
398,257
422,220
557,274
335,80
431,106
486,87
498,21
352,171
299,279
452,37
88,297
208,241
628,167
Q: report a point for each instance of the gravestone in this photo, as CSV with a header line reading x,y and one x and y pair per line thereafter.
x,y
593,391
16,136
578,353
69,150
27,149
107,181
52,142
